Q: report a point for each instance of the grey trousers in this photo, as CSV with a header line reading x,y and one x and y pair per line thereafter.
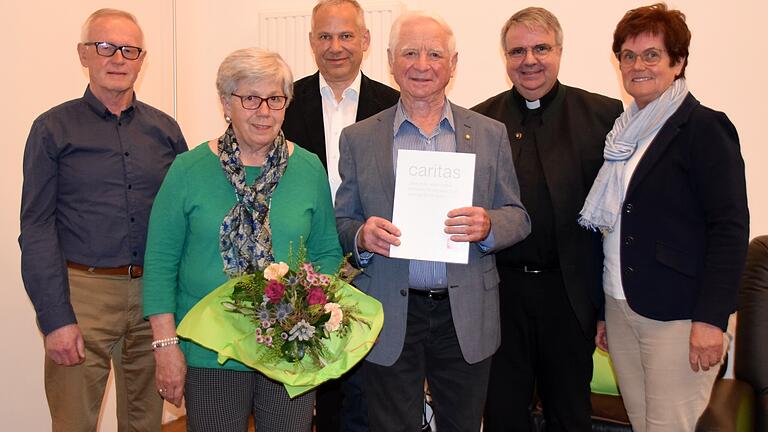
x,y
220,400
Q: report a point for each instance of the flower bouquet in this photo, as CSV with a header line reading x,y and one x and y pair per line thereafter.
x,y
295,325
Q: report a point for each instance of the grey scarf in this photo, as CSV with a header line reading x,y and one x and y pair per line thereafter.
x,y
603,204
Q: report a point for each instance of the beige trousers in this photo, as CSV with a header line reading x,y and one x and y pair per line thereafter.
x,y
109,314
660,390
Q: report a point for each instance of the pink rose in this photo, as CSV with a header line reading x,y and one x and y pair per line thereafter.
x,y
274,291
316,296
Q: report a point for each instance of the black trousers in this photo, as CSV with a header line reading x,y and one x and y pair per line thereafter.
x,y
542,348
341,404
431,351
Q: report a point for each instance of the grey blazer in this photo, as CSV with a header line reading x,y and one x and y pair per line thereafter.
x,y
367,189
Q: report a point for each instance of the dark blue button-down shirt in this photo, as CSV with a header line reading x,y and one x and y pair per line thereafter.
x,y
89,181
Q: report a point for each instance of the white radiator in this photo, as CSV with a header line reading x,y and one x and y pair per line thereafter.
x,y
286,31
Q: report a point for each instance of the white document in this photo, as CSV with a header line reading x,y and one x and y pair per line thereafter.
x,y
428,185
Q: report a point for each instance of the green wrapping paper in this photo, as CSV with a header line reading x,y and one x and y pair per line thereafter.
x,y
231,335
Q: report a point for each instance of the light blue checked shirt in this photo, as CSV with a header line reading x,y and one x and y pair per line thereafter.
x,y
424,274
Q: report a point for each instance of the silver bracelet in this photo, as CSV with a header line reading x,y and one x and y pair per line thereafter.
x,y
162,343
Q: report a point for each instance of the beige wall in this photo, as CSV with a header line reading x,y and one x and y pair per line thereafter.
x,y
42,70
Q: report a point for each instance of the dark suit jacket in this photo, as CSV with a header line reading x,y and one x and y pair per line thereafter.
x,y
304,116
685,222
570,146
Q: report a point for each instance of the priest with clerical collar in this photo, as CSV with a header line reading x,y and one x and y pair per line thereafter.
x,y
550,289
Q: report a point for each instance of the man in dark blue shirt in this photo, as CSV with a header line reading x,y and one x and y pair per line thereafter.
x,y
92,167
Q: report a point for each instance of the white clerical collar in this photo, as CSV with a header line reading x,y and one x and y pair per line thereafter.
x,y
353,90
532,105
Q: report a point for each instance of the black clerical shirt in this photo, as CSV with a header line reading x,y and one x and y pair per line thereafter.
x,y
89,181
539,249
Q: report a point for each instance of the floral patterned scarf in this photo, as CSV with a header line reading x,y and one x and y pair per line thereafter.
x,y
245,234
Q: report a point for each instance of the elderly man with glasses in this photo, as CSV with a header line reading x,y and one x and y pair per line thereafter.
x,y
550,291
92,167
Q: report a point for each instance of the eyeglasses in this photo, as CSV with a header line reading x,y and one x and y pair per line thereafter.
x,y
539,51
106,49
254,102
650,57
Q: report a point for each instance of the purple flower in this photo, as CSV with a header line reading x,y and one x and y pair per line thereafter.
x,y
283,311
311,277
263,315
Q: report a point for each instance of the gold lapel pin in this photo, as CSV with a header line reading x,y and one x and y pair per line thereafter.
x,y
467,137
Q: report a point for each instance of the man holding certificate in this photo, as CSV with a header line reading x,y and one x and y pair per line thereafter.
x,y
441,310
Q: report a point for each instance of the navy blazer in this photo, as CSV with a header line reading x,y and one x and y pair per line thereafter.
x,y
685,222
304,116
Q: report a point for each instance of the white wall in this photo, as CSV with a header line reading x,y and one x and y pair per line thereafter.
x,y
722,72
42,70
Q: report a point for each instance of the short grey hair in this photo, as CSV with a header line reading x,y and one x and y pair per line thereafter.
x,y
360,21
107,12
253,64
533,18
394,33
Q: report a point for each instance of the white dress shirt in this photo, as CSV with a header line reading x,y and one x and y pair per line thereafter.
x,y
337,116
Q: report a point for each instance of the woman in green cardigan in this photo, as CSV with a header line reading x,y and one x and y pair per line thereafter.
x,y
231,206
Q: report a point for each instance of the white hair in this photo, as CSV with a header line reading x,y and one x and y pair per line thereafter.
x,y
253,64
394,33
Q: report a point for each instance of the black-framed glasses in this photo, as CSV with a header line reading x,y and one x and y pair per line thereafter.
x,y
106,49
253,102
650,57
539,51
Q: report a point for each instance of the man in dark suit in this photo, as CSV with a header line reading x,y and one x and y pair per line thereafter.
x,y
550,282
338,94
323,104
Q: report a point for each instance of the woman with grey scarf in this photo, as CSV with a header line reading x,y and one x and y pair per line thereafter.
x,y
670,200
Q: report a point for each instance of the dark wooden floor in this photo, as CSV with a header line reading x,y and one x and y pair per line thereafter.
x,y
180,425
